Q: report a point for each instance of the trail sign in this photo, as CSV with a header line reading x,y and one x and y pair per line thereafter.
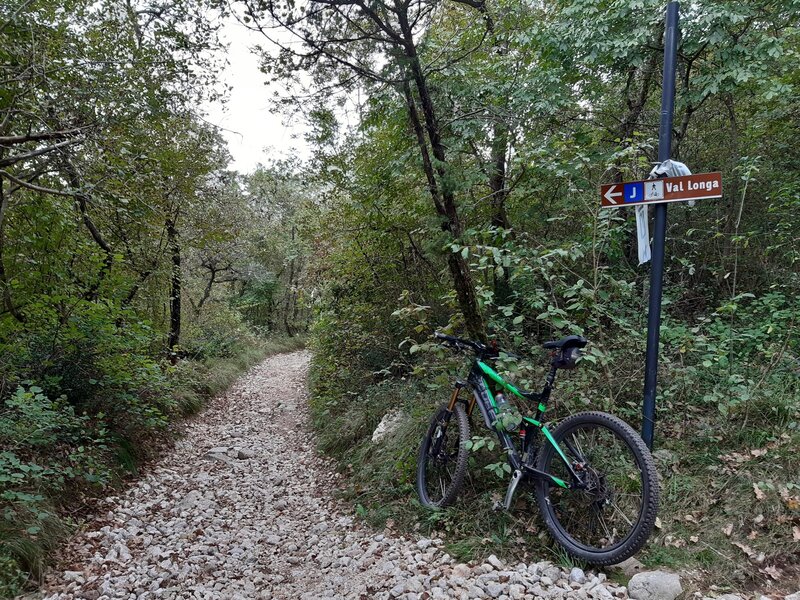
x,y
668,189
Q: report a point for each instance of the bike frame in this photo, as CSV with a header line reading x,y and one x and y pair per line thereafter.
x,y
523,461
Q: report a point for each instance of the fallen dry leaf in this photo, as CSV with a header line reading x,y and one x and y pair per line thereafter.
x,y
694,539
745,548
732,461
752,535
728,529
758,452
791,502
760,495
796,533
772,571
674,542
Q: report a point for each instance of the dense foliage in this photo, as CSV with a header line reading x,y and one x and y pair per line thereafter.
x,y
138,274
484,131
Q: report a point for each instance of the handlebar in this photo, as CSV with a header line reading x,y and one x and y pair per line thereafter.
x,y
460,342
483,350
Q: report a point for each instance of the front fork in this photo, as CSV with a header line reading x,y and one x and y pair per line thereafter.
x,y
451,406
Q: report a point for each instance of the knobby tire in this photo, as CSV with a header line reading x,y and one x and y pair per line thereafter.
x,y
612,479
452,458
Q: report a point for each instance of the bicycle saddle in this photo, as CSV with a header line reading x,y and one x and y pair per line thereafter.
x,y
567,342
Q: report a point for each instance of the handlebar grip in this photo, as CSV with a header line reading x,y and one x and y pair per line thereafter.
x,y
448,338
462,344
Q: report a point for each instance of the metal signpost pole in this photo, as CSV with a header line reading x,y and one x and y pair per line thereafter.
x,y
660,225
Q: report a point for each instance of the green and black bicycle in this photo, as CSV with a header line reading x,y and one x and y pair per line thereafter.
x,y
593,477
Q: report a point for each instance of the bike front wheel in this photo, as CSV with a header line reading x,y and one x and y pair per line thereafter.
x,y
442,460
610,515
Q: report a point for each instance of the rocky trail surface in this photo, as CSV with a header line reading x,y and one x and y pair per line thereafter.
x,y
243,509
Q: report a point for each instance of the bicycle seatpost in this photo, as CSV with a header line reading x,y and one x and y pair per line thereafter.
x,y
549,381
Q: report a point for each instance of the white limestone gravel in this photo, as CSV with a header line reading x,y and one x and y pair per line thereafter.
x,y
243,509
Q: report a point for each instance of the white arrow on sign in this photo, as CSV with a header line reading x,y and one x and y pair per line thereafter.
x,y
611,194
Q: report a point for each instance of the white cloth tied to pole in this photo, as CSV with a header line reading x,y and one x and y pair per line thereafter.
x,y
668,168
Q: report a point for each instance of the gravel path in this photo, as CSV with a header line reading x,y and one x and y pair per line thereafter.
x,y
242,509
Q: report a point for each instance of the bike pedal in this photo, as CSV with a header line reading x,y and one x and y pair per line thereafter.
x,y
512,487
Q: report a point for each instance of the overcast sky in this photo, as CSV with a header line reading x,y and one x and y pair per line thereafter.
x,y
254,134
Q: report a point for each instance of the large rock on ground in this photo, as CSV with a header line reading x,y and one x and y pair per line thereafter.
x,y
389,423
655,585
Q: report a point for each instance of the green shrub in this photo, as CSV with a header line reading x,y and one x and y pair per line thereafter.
x,y
12,579
217,333
49,452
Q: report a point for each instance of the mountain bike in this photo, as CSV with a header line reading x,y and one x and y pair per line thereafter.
x,y
593,477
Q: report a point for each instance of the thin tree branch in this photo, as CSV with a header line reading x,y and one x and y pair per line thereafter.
x,y
11,160
34,187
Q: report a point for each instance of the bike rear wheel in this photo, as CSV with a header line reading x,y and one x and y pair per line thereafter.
x,y
612,517
442,460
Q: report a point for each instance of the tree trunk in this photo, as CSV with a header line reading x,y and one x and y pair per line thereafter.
x,y
287,303
733,146
8,303
82,205
135,288
440,190
206,292
635,104
175,286
497,187
497,178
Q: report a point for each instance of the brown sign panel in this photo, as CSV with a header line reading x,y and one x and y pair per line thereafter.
x,y
669,189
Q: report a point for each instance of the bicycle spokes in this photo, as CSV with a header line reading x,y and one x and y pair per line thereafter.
x,y
605,504
442,456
